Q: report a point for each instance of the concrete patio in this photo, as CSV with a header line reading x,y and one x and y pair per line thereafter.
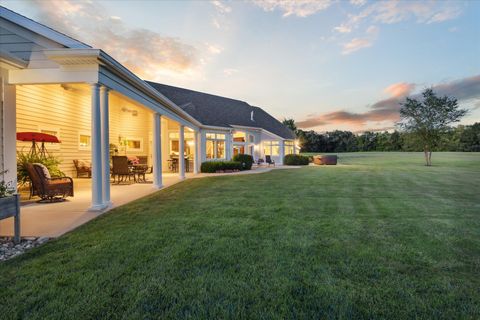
x,y
55,219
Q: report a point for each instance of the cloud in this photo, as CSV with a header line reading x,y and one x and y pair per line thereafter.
x,y
229,71
221,6
387,110
214,49
299,8
359,43
358,2
390,12
143,51
400,89
343,29
215,23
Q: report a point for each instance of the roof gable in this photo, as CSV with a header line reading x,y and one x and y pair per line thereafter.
x,y
41,29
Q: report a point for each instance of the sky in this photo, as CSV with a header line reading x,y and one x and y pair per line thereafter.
x,y
327,64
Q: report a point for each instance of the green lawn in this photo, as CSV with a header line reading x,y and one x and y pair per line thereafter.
x,y
379,236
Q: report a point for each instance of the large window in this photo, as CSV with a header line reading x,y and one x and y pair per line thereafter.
x,y
271,148
215,146
289,147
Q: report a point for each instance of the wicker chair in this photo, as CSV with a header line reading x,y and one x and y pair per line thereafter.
x,y
120,169
82,168
46,187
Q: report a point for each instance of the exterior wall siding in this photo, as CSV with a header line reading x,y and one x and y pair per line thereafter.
x,y
67,111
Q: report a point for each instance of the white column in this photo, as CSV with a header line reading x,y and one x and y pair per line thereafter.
x,y
96,137
104,106
203,147
228,146
157,151
9,128
181,152
196,156
281,151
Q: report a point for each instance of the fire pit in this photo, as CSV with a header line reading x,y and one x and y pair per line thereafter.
x,y
328,160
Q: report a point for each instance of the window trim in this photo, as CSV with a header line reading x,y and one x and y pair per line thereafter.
x,y
89,146
127,147
215,141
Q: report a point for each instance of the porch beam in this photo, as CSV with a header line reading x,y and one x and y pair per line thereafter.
x,y
105,119
96,136
157,151
181,152
53,76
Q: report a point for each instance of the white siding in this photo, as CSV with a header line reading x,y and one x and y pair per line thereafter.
x,y
52,107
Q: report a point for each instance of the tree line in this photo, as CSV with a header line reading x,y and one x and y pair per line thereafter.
x,y
460,138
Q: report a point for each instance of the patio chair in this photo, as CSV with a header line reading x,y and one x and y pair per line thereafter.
x,y
120,169
46,187
83,168
269,160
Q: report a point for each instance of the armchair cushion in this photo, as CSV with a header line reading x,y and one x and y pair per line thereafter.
x,y
45,171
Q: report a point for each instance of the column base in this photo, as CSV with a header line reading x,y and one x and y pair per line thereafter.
x,y
98,207
157,186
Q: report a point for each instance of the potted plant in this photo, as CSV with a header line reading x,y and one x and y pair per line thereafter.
x,y
10,205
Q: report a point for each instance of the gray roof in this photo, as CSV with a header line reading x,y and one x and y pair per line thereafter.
x,y
212,110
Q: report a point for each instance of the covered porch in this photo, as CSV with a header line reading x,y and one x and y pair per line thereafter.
x,y
54,219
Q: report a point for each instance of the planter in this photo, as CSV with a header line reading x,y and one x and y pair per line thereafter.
x,y
10,207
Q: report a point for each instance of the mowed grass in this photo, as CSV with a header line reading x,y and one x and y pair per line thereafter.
x,y
378,236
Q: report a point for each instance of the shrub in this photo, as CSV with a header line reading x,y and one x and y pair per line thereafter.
x,y
245,159
51,162
214,166
295,160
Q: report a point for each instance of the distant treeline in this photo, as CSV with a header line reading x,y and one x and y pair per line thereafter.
x,y
460,138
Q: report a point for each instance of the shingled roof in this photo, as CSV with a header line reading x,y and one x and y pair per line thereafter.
x,y
212,110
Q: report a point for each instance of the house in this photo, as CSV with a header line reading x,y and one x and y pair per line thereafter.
x,y
54,84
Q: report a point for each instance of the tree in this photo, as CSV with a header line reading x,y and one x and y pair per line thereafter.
x,y
290,123
429,119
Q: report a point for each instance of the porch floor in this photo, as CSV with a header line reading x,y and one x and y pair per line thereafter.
x,y
54,219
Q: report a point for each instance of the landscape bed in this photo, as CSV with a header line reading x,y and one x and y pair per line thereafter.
x,y
380,236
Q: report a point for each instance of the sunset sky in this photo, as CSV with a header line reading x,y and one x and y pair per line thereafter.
x,y
327,64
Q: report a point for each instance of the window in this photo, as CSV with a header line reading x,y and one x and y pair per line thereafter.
x,y
239,137
271,148
215,146
289,147
251,138
174,143
84,141
134,144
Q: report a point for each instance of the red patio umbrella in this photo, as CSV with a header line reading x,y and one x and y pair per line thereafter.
x,y
35,137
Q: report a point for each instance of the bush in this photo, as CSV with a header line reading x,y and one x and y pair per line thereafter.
x,y
295,160
214,166
51,162
245,159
